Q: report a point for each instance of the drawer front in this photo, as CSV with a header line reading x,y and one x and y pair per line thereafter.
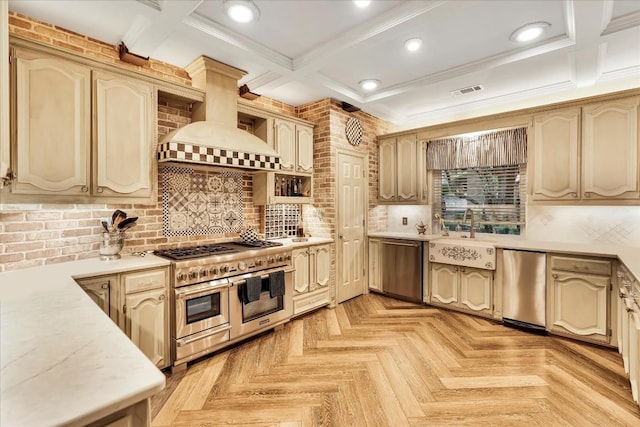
x,y
581,265
308,302
143,281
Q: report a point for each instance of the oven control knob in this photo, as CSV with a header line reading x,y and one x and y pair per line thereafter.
x,y
258,262
279,258
203,273
242,265
193,274
181,277
270,260
213,271
224,269
288,257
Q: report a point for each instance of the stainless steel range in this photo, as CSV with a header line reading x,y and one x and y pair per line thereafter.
x,y
227,292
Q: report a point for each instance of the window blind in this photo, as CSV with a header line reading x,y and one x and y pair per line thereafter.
x,y
494,193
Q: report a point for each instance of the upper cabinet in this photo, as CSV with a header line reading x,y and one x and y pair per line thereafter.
x,y
80,134
402,170
588,153
294,144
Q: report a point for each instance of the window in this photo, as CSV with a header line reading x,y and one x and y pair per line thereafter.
x,y
492,192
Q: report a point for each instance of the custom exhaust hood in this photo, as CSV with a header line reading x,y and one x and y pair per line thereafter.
x,y
213,138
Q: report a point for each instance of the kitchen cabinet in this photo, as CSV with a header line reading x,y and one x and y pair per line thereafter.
x,y
266,192
375,264
81,134
294,143
311,278
587,153
628,322
138,302
463,288
578,297
402,176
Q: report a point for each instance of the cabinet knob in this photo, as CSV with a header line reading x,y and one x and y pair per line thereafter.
x,y
105,286
161,297
341,236
587,194
100,189
555,276
84,189
462,270
574,195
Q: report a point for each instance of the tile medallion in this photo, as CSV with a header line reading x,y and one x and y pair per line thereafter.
x,y
201,202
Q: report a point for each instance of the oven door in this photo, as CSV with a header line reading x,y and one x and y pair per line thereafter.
x,y
264,313
201,306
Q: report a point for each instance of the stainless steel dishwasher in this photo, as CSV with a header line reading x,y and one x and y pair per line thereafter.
x,y
402,269
524,290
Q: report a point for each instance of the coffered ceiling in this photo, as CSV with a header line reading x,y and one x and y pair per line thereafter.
x,y
302,50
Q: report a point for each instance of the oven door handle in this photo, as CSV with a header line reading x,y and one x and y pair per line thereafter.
x,y
187,341
209,288
262,276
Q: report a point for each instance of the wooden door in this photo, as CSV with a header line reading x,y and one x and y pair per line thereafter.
x,y
610,150
145,316
285,143
301,274
406,166
321,266
579,305
387,170
475,289
304,138
444,283
124,136
53,113
351,211
554,159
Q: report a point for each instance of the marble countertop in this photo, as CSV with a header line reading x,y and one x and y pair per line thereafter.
x,y
312,241
63,361
628,255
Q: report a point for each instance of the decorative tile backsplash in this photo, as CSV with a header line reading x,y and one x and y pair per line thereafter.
x,y
281,220
198,202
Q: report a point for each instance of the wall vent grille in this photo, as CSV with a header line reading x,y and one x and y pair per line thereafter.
x,y
467,90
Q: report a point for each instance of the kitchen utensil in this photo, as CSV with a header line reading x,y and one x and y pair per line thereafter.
x,y
105,225
117,217
127,223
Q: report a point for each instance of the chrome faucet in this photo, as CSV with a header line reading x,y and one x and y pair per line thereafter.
x,y
472,231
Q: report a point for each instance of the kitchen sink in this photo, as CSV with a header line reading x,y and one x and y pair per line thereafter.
x,y
464,252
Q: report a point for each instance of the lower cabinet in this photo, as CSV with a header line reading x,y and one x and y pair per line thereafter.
x,y
578,298
138,302
375,264
628,327
463,288
311,278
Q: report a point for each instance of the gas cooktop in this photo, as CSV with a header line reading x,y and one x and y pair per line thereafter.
x,y
259,244
194,251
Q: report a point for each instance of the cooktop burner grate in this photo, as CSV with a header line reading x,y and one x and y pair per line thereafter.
x,y
194,251
259,244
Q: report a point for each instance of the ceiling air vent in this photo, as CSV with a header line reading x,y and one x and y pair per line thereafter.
x,y
466,90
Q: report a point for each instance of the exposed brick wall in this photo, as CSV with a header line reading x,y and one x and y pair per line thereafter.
x,y
271,105
68,40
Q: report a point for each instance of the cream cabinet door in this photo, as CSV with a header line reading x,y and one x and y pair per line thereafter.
x,y
476,289
320,262
555,155
146,317
304,137
444,283
578,304
52,112
285,143
375,275
610,150
301,276
99,290
124,140
387,169
634,352
406,166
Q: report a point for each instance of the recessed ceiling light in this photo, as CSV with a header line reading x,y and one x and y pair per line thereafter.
x,y
413,44
529,32
369,84
362,3
241,10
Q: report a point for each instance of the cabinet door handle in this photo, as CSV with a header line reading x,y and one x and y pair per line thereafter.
x,y
341,236
161,297
555,276
105,286
587,194
100,189
462,270
574,195
84,189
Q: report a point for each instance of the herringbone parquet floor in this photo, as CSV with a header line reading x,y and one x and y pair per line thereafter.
x,y
376,361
